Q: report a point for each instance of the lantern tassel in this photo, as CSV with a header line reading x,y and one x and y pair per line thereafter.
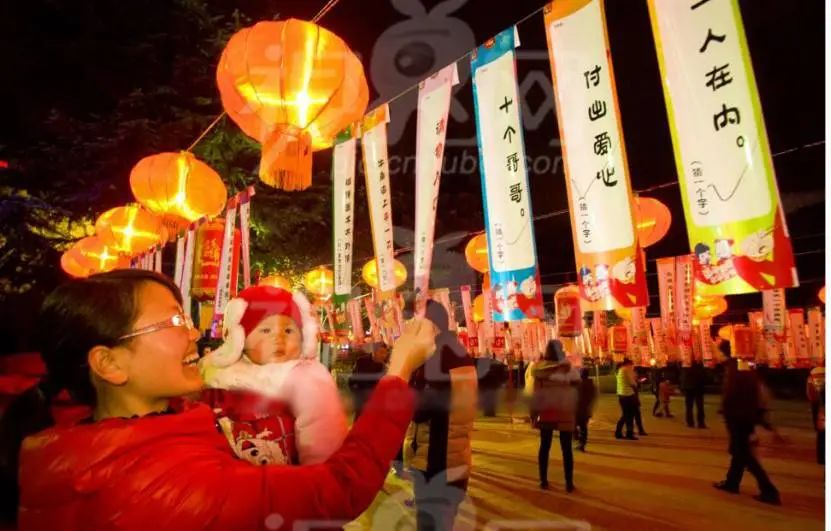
x,y
287,159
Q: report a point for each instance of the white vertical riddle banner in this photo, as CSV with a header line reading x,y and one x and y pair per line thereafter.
x,y
343,207
515,284
376,171
433,106
223,285
245,230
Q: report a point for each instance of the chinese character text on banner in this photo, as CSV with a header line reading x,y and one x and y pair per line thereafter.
x,y
609,263
735,222
343,206
433,106
376,166
515,284
775,321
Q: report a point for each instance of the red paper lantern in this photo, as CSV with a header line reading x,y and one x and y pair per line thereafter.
x,y
652,219
207,254
179,187
569,314
292,86
89,256
130,229
476,253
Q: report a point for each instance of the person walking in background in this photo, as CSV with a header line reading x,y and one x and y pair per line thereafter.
x,y
586,396
554,407
815,390
665,392
626,385
743,409
655,384
637,407
692,384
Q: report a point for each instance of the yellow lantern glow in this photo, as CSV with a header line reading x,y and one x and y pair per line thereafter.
x,y
89,256
476,253
320,282
276,281
479,308
726,332
707,307
370,273
130,229
179,187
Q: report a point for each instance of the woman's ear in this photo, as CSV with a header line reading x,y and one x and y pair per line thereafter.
x,y
104,363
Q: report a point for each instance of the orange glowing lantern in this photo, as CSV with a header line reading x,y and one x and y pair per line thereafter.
x,y
292,86
476,253
707,307
479,308
90,255
726,332
320,282
276,281
653,219
179,187
821,294
207,254
130,229
370,273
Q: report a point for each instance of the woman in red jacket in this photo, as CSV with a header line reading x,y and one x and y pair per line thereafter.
x,y
121,343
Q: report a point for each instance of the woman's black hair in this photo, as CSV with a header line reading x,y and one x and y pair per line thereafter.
x,y
77,316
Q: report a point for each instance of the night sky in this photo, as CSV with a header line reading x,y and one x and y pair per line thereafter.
x,y
403,41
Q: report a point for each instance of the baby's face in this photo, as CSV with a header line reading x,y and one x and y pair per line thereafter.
x,y
274,340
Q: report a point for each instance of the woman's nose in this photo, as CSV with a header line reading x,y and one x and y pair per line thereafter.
x,y
193,333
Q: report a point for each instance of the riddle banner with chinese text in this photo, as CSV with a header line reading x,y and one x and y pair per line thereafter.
x,y
343,206
433,106
514,279
735,222
376,166
610,267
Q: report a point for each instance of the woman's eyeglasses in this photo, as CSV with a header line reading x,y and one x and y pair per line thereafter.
x,y
174,321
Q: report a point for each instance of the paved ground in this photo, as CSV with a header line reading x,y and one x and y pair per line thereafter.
x,y
661,482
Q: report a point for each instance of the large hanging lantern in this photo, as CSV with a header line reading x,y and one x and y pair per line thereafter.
x,y
130,229
707,307
207,254
276,281
476,253
370,273
320,282
89,256
653,219
292,86
179,187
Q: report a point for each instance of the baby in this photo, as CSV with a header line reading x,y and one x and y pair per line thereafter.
x,y
274,401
